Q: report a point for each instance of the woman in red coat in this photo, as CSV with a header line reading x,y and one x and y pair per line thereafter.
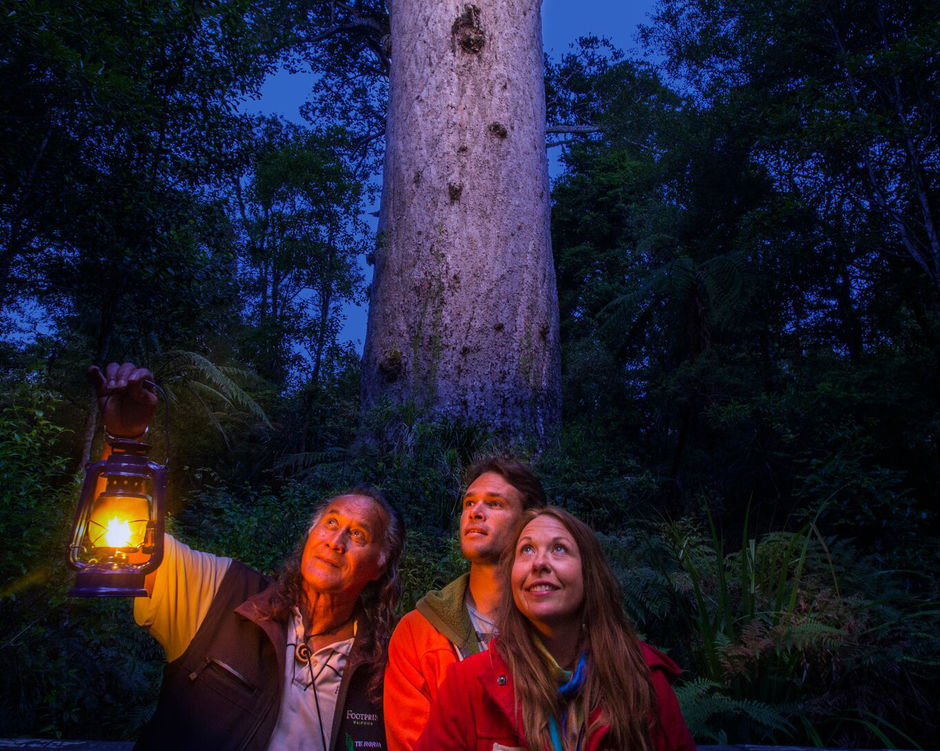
x,y
567,672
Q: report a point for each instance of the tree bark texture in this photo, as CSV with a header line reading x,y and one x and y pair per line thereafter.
x,y
463,314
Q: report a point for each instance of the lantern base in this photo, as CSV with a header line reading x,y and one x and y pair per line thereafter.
x,y
108,584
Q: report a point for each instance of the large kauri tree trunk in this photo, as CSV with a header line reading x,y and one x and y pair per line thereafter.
x,y
463,315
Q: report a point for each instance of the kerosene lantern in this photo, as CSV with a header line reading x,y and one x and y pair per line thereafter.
x,y
117,538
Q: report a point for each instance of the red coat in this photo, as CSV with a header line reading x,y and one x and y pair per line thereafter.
x,y
474,710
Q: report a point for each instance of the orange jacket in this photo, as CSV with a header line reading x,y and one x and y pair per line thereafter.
x,y
425,643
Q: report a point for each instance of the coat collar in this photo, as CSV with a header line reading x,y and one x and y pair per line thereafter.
x,y
257,609
446,610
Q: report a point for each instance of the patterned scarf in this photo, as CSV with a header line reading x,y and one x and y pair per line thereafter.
x,y
570,683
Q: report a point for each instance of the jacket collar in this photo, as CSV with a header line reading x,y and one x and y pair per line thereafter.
x,y
257,608
446,610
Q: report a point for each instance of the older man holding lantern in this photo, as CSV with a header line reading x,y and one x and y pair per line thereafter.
x,y
256,663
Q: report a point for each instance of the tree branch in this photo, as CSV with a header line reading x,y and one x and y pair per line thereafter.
x,y
582,130
374,33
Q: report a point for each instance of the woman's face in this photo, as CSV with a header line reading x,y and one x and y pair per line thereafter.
x,y
547,581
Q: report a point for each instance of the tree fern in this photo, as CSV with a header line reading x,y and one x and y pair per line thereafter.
x,y
718,282
184,374
708,712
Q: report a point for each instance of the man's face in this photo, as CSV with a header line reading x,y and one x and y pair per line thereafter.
x,y
343,551
491,508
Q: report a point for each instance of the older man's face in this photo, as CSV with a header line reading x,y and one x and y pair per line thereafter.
x,y
343,551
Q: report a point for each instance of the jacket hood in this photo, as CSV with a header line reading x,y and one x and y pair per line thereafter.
x,y
446,611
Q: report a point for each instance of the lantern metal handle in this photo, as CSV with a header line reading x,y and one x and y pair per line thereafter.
x,y
166,419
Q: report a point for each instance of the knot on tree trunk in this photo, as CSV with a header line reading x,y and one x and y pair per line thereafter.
x,y
498,130
391,366
468,32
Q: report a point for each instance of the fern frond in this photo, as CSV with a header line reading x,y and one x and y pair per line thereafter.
x,y
706,711
192,370
183,371
301,462
808,635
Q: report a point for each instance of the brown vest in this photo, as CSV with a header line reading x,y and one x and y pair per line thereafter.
x,y
224,691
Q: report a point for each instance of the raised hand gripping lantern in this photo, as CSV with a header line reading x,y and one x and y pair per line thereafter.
x,y
117,537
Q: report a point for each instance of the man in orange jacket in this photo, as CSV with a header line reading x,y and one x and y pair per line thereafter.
x,y
455,622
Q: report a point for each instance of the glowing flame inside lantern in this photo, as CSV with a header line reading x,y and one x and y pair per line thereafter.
x,y
119,521
117,534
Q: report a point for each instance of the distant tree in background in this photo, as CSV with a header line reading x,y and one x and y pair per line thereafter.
x,y
726,325
116,116
844,102
112,115
300,231
120,224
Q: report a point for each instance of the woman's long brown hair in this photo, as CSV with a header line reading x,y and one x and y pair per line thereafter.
x,y
617,681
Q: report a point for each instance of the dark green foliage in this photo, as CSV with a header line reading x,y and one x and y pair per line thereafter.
x,y
431,560
709,712
639,555
420,460
76,668
601,486
62,662
255,526
31,470
785,632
